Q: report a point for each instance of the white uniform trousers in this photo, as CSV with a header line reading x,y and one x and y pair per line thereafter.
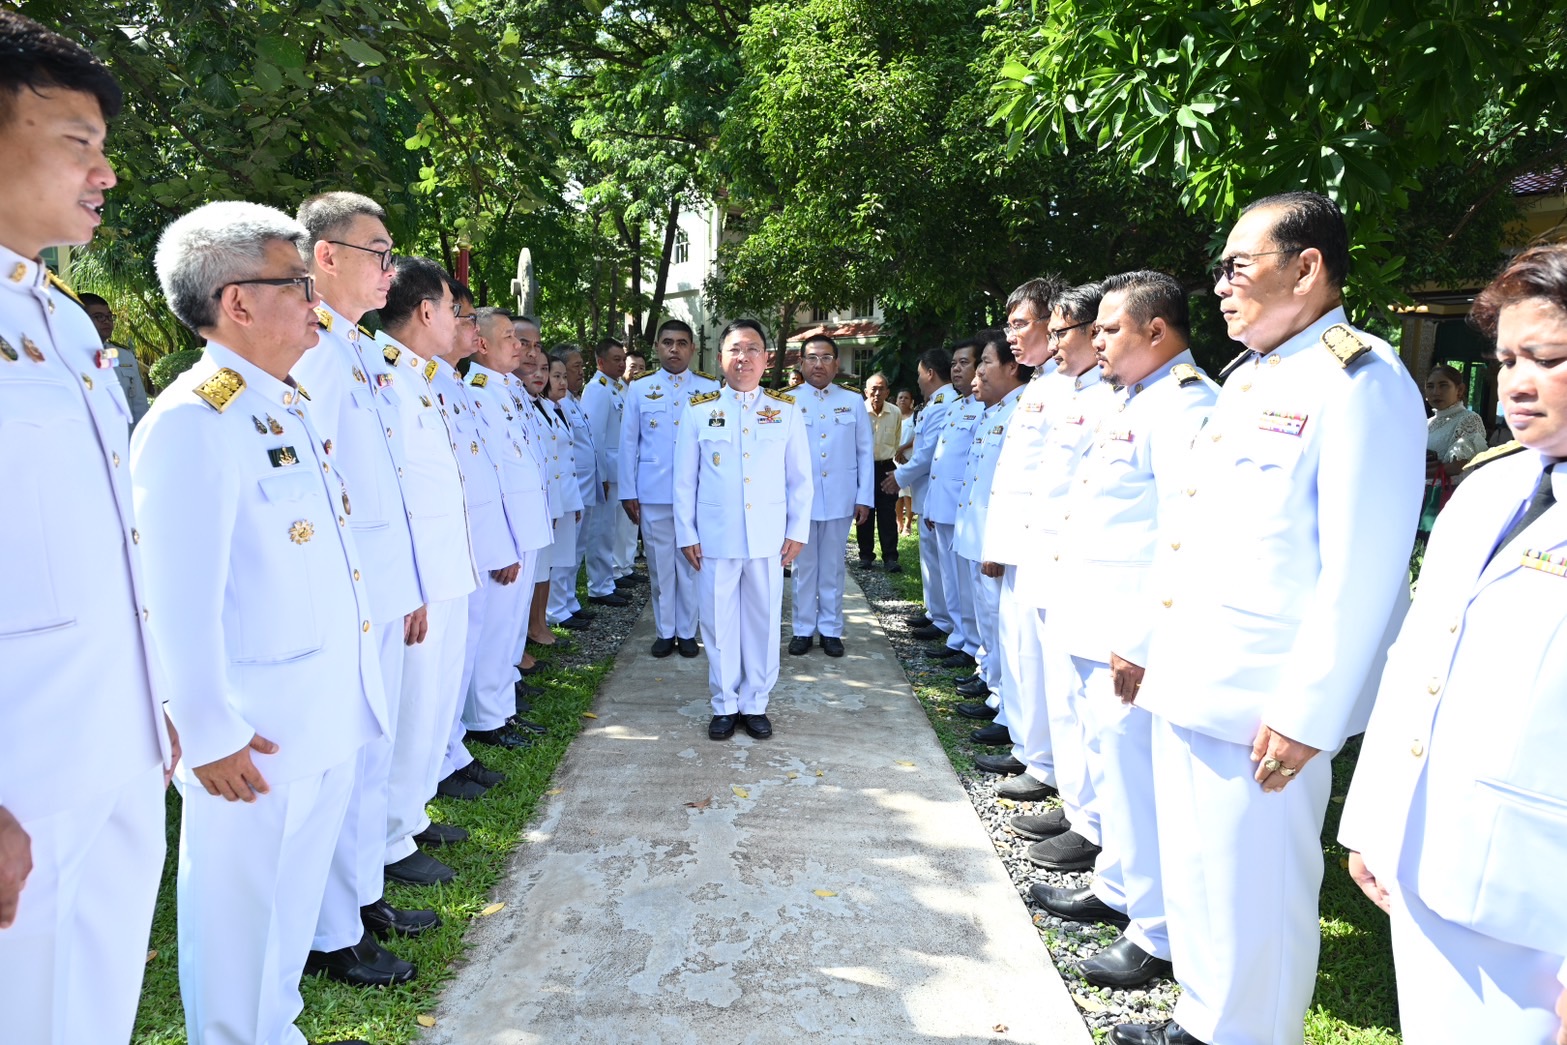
x,y
563,579
1068,724
626,548
936,605
959,598
818,578
1127,874
603,530
355,879
432,676
1023,682
491,695
1242,871
741,633
1458,986
987,601
672,578
250,884
71,965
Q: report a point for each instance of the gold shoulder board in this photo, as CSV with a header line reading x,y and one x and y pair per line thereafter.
x,y
1344,343
324,318
390,353
703,397
939,398
219,390
782,397
479,380
430,370
650,373
700,373
851,387
1496,453
602,381
1185,374
59,284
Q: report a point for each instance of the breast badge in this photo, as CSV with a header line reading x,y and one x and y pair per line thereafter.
x,y
301,531
768,415
282,457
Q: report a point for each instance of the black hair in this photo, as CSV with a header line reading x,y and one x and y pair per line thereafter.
x,y
997,341
605,346
1539,272
1080,304
938,361
414,281
461,292
87,297
674,324
1151,295
1309,219
819,338
1039,292
742,324
37,58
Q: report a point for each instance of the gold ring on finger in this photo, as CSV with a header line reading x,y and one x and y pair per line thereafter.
x,y
1271,764
1286,771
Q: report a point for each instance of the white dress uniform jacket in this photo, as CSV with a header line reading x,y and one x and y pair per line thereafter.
x,y
979,474
948,459
512,441
650,421
493,545
838,431
915,472
1012,489
603,402
584,454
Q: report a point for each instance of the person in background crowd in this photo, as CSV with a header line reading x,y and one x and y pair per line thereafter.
x,y
603,401
935,371
1462,735
635,365
125,366
947,464
885,422
904,508
1454,435
564,607
85,749
530,378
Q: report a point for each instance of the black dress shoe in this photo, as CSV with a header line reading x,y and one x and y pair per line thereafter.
x,y
976,709
1123,964
365,964
459,786
480,773
1024,788
525,691
663,647
799,645
1068,851
502,737
688,647
517,724
1005,765
949,653
631,579
382,919
893,567
1076,905
721,728
832,646
1171,1033
574,624
959,659
918,620
757,725
532,669
993,735
437,835
611,599
1040,827
585,614
974,689
929,633
867,564
419,868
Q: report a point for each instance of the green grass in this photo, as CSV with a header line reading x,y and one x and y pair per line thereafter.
x,y
1356,1002
495,822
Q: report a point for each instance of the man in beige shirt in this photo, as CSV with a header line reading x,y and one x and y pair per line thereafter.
x,y
886,424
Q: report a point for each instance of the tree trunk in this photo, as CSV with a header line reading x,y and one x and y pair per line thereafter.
x,y
656,311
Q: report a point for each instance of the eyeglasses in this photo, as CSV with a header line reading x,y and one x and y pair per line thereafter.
x,y
308,282
1225,269
1059,332
1017,326
465,317
818,359
384,255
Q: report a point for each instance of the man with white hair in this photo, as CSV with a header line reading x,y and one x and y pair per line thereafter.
x,y
254,575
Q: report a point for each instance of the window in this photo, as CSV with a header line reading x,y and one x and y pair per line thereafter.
x,y
682,247
820,314
864,309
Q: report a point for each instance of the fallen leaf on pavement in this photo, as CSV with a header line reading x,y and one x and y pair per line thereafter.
x,y
425,1021
739,791
494,907
702,804
589,714
1090,1003
553,791
1006,803
903,763
820,773
792,775
825,893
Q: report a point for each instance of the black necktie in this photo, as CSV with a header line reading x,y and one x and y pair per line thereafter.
x,y
1543,498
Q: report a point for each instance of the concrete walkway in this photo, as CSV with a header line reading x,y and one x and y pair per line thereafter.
x,y
830,884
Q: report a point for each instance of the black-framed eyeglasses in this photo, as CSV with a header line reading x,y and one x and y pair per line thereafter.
x,y
465,317
1059,332
384,255
1225,269
307,282
1017,326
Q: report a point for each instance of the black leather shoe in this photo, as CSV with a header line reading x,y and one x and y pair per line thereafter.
x,y
459,786
526,728
1005,765
585,614
867,564
1123,964
1171,1033
663,647
993,735
1068,851
1045,825
929,633
437,835
480,773
523,707
832,646
1024,788
949,653
631,580
419,868
574,624
974,689
976,709
799,646
611,599
382,919
688,647
365,964
918,620
757,725
1075,905
532,669
502,737
721,728
525,691
893,567
958,659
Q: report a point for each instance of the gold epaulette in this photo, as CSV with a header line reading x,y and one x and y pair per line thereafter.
x,y
1344,343
704,397
856,389
430,370
644,377
699,373
782,397
602,381
59,284
479,380
1185,374
1496,453
324,318
219,390
391,353
1230,367
939,398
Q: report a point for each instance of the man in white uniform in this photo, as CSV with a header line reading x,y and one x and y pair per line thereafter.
x,y
125,366
742,513
934,370
255,576
80,852
945,490
1268,649
604,404
565,608
655,403
838,431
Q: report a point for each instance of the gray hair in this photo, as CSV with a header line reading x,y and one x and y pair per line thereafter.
x,y
563,353
329,212
212,246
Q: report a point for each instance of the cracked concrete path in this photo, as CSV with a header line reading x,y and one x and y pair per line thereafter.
x,y
830,884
